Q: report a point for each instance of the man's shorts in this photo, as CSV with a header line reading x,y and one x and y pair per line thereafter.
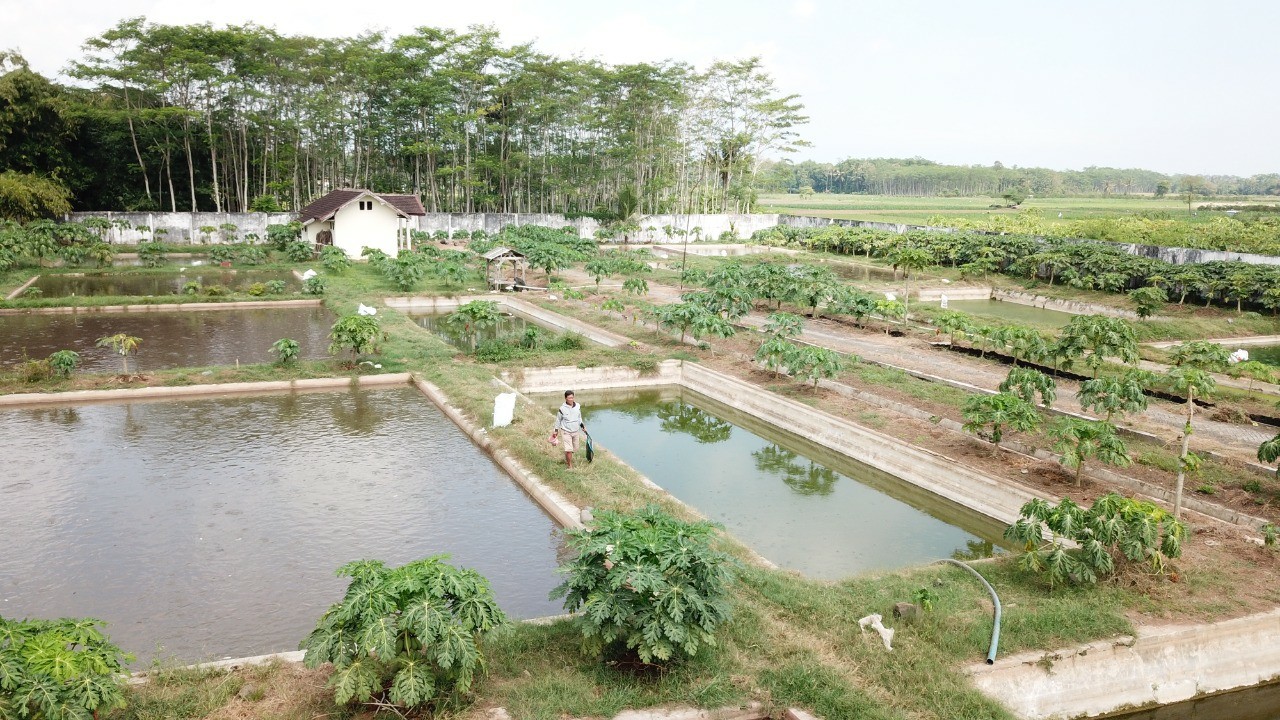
x,y
569,440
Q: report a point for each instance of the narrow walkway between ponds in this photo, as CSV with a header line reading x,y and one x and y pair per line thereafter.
x,y
1162,419
1226,342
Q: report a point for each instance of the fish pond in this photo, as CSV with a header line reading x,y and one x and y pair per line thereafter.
x,y
792,501
510,325
1013,312
157,283
1261,702
169,339
212,527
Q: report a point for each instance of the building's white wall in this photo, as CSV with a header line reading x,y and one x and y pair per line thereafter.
x,y
311,231
355,229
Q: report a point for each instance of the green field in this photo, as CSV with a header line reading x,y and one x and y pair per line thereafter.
x,y
918,210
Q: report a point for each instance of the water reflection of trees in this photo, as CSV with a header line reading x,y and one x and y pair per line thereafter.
x,y
59,415
975,550
356,413
805,478
677,417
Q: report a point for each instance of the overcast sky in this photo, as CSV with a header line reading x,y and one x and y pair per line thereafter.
x,y
1174,86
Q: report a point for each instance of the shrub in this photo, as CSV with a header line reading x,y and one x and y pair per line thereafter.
x,y
566,341
498,351
257,289
1115,529
151,253
190,287
33,292
334,259
647,583
276,287
35,371
407,637
285,350
360,333
217,291
222,254
252,255
313,285
63,362
298,251
281,235
62,668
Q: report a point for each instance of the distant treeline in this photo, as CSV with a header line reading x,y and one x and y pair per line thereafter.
x,y
198,117
920,177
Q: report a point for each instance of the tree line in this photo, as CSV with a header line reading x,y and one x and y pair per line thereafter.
x,y
198,117
921,177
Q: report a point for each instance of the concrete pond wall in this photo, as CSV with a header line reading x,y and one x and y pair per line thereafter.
x,y
927,470
1161,665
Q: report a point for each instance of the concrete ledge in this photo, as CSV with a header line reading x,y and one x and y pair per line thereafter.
x,y
934,294
1160,666
124,394
565,513
1066,306
162,307
22,287
597,378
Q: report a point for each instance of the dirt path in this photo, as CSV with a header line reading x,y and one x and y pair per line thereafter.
x,y
1162,419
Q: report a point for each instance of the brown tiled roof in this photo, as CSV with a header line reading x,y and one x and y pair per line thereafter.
x,y
326,206
407,204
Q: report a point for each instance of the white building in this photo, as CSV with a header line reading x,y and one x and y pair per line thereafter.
x,y
354,219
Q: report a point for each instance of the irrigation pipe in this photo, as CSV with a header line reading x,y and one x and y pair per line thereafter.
x,y
995,601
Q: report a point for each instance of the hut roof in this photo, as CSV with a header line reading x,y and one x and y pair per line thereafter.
x,y
324,207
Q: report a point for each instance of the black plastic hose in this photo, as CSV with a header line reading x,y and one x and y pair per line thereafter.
x,y
995,601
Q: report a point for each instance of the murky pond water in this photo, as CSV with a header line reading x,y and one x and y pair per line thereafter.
x,y
210,528
169,339
1013,312
1256,703
509,325
1269,354
167,283
797,504
867,273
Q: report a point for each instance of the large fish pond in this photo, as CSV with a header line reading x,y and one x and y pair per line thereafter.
x,y
169,339
1012,312
792,501
156,283
208,528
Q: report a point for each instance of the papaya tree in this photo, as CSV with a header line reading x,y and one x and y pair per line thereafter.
x,y
1191,381
469,319
1269,452
1108,395
122,344
1081,440
404,638
1027,383
996,413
